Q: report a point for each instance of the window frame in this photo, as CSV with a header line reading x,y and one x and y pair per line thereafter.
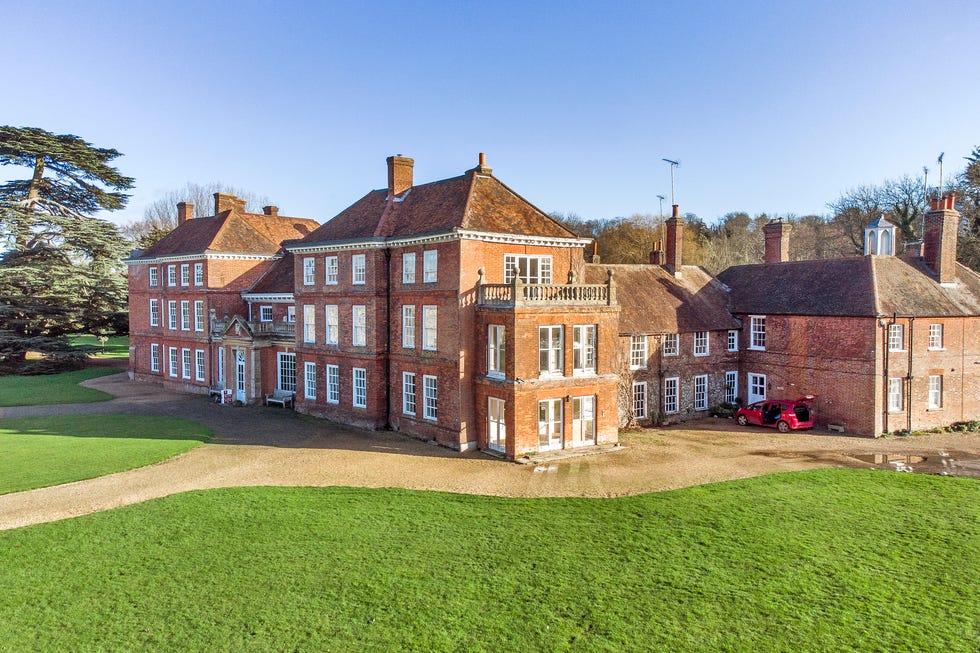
x,y
265,313
936,335
543,275
584,350
172,314
731,387
331,270
309,324
198,274
358,269
700,393
154,357
199,365
554,353
358,334
331,318
154,312
638,399
639,355
896,337
497,351
935,392
309,271
672,395
430,266
285,361
896,394
332,379
732,340
308,367
408,269
199,315
172,276
409,394
185,315
757,332
430,327
173,362
702,339
154,276
671,345
185,274
185,363
408,326
430,401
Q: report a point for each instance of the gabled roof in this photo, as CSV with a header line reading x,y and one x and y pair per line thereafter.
x,y
473,201
278,279
233,232
652,300
855,286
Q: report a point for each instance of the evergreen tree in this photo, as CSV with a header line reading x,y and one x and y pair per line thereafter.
x,y
60,269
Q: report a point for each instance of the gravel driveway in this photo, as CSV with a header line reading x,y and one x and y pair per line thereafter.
x,y
271,446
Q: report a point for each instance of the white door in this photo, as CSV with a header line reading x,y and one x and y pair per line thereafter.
x,y
549,424
496,424
583,421
240,375
757,387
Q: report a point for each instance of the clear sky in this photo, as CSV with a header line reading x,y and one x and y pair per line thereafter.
x,y
775,107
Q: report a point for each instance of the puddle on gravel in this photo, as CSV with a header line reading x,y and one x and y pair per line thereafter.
x,y
943,463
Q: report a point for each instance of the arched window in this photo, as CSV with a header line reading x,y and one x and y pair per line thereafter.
x,y
872,242
886,247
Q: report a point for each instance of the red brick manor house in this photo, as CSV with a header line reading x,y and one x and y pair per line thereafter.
x,y
457,311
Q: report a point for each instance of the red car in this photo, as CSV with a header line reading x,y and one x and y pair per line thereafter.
x,y
784,414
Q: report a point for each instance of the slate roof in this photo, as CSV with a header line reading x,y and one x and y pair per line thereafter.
x,y
233,232
652,300
473,201
858,286
278,279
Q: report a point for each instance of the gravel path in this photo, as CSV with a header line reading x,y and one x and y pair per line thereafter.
x,y
271,446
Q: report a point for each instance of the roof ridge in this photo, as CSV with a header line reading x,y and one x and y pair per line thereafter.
x,y
875,299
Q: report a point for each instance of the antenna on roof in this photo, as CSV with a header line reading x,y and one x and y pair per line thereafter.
x,y
672,164
940,162
663,234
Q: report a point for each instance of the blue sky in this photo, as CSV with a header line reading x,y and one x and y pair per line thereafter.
x,y
770,107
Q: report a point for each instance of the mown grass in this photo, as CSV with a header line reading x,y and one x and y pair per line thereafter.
x,y
53,388
115,346
42,451
830,560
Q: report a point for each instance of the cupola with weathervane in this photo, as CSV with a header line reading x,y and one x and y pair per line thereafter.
x,y
879,238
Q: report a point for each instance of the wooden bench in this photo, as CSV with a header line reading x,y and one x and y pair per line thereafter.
x,y
281,397
215,392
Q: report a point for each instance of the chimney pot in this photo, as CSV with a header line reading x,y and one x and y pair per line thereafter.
x,y
185,212
399,174
483,159
270,210
674,211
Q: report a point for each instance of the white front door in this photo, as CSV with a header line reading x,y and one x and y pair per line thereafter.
x,y
549,424
496,424
757,387
240,375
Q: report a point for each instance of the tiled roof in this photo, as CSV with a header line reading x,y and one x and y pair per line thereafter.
x,y
231,231
853,286
652,300
473,201
278,279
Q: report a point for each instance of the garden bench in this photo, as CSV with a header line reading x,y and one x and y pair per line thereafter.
x,y
281,397
215,392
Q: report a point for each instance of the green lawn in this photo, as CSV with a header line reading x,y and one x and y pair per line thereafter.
x,y
42,451
115,347
830,560
53,388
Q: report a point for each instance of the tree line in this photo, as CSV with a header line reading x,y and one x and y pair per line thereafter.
x,y
61,269
737,238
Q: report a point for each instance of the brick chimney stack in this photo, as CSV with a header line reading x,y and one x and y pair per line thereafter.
x,y
227,202
270,210
399,174
657,254
675,242
185,212
939,239
777,241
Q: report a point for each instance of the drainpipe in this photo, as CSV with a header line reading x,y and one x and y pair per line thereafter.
x,y
908,383
884,358
387,374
